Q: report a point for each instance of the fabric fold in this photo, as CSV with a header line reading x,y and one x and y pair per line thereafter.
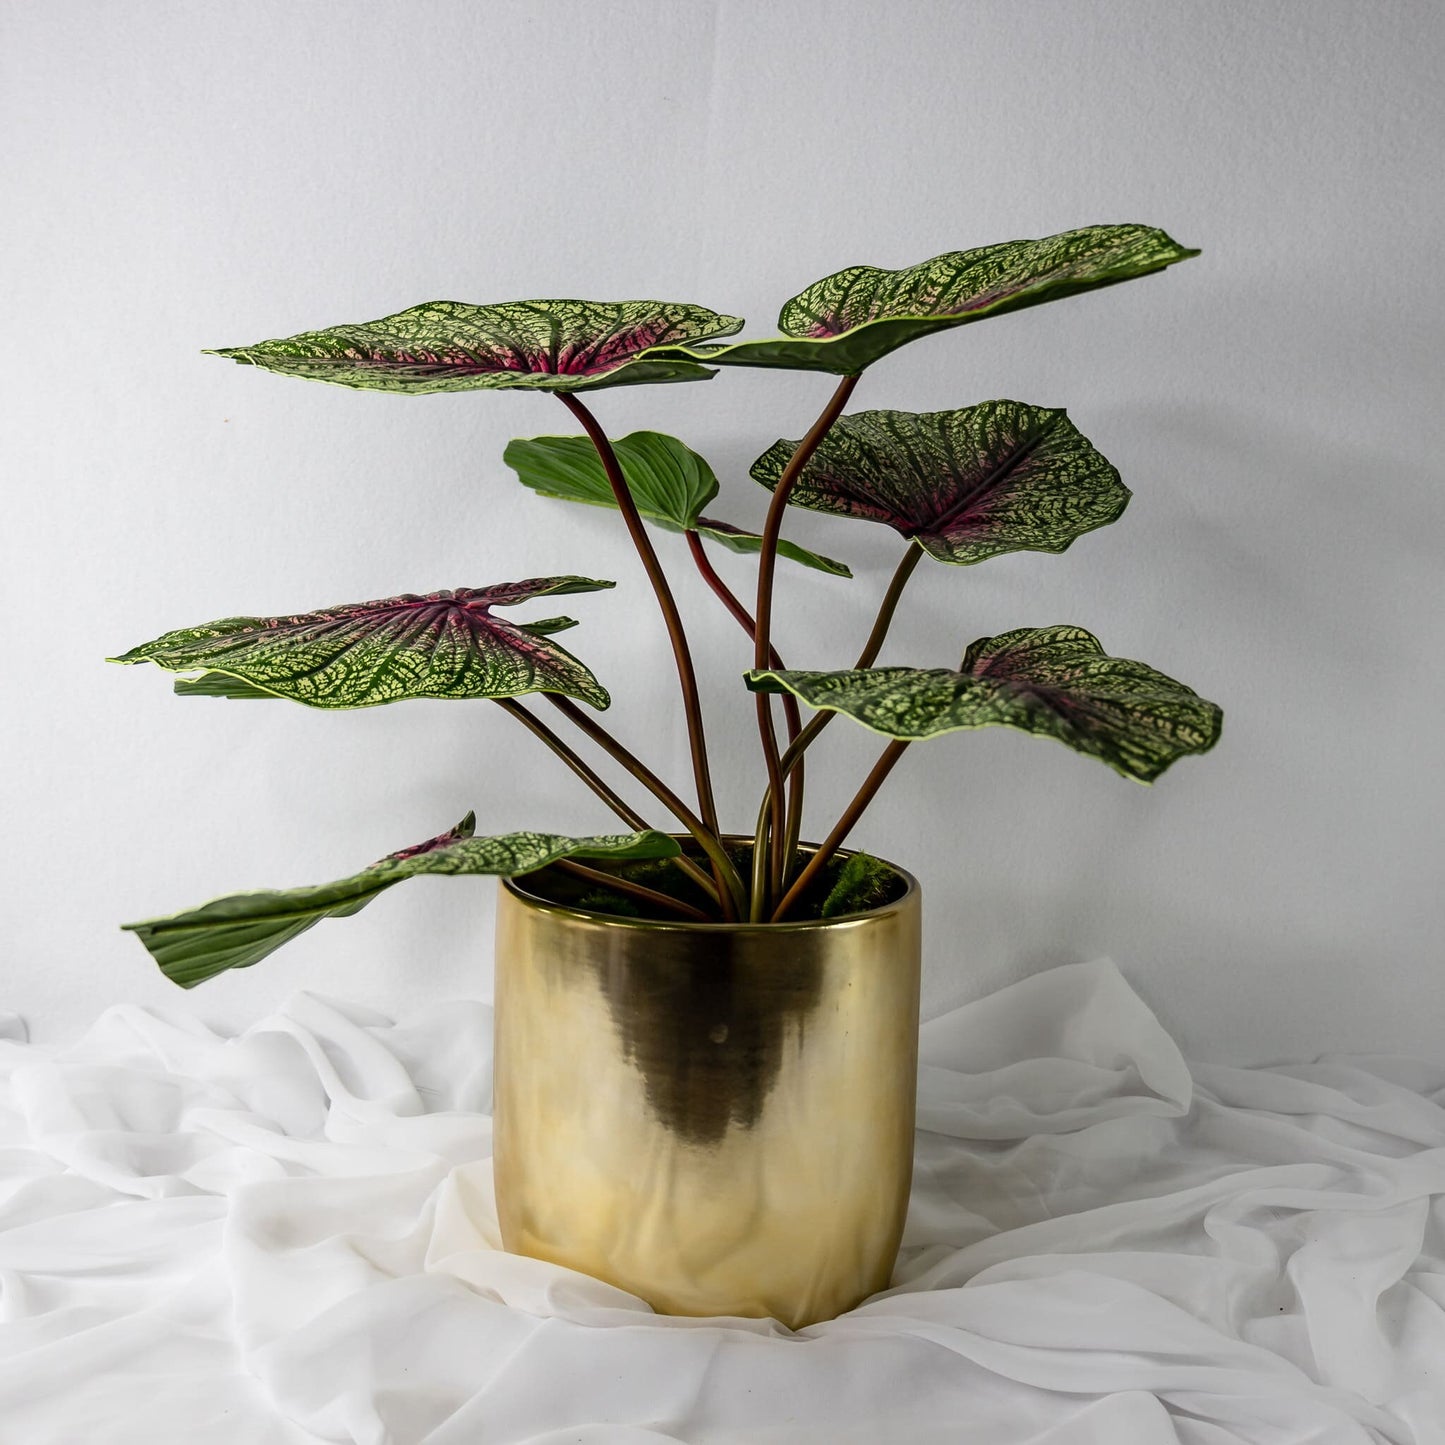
x,y
290,1236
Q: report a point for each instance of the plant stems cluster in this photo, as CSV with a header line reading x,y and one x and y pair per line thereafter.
x,y
776,882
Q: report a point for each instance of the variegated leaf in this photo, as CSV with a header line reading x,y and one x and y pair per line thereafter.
x,y
539,345
850,319
217,684
242,929
968,484
1057,682
670,483
442,645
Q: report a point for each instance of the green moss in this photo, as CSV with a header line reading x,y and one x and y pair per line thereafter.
x,y
604,900
862,883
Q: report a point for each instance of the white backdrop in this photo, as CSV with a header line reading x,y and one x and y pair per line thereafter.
x,y
185,175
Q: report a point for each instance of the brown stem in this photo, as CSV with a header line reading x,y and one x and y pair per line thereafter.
x,y
763,612
540,729
732,900
633,890
729,600
834,840
791,716
691,703
906,563
793,758
618,805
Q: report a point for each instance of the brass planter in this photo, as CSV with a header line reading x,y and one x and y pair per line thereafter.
x,y
716,1117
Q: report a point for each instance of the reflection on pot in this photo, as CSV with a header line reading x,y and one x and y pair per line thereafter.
x,y
707,1037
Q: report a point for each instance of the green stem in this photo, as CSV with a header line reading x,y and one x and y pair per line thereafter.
x,y
732,901
834,840
633,890
758,898
691,703
629,815
763,612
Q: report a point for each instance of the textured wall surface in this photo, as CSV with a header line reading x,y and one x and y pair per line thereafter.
x,y
182,175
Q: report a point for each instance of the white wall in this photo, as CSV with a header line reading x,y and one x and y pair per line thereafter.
x,y
184,175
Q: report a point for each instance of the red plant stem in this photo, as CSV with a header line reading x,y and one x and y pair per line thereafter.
x,y
834,840
629,815
909,560
745,620
633,890
539,729
791,716
793,758
731,897
763,640
763,612
691,703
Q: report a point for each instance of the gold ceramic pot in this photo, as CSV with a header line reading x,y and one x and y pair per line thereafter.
x,y
716,1117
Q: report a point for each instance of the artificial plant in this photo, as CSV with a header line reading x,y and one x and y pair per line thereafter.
x,y
959,486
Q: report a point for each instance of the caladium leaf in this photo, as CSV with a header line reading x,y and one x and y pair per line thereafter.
x,y
442,645
850,319
967,484
670,483
1054,681
242,929
217,684
538,345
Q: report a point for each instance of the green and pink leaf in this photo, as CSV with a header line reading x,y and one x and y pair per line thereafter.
x,y
445,346
1055,682
440,645
850,319
967,484
243,928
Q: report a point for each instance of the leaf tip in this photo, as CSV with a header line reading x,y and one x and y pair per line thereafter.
x,y
596,697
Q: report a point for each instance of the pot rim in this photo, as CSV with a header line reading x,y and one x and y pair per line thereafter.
x,y
912,892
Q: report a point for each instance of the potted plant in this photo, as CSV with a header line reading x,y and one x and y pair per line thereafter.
x,y
706,1042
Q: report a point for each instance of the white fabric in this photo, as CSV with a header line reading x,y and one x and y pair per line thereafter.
x,y
289,1237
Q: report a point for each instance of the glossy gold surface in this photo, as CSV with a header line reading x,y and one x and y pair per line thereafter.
x,y
716,1117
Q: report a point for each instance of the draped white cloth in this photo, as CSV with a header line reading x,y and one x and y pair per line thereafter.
x,y
289,1236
